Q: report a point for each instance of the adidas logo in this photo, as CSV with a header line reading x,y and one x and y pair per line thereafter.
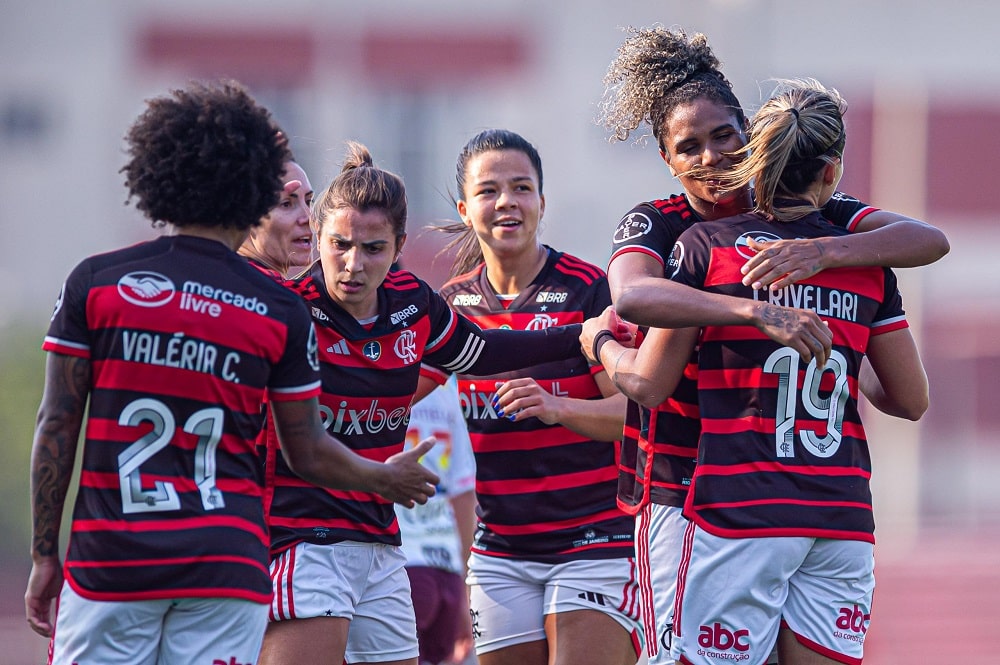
x,y
340,348
592,597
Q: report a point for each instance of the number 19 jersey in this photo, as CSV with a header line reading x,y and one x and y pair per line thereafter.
x,y
782,450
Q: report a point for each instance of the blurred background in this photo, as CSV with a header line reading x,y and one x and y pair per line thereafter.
x,y
414,80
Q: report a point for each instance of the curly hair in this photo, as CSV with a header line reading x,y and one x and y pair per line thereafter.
x,y
468,251
362,186
205,155
796,132
656,70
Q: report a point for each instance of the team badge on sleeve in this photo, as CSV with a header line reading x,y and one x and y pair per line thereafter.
x,y
675,260
59,302
312,349
632,226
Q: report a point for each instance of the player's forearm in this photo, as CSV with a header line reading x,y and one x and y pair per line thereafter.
x,y
662,303
52,459
621,364
598,419
902,244
53,451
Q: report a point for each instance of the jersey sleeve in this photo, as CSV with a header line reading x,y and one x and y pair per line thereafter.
x,y
642,230
845,211
296,374
688,262
68,331
457,345
890,315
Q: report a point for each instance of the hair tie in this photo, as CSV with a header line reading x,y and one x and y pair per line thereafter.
x,y
795,112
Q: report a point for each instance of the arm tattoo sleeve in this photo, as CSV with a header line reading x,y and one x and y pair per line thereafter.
x,y
57,432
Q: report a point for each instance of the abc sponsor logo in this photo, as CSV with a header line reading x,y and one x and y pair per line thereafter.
x,y
146,289
718,641
852,624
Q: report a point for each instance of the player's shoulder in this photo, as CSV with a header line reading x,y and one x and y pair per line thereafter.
x,y
406,297
574,269
648,218
464,282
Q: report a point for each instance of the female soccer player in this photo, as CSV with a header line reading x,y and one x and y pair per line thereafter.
x,y
781,533
282,244
552,570
174,343
672,83
337,569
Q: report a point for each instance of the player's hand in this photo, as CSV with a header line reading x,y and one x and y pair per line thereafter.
x,y
409,482
44,584
779,263
624,332
518,399
801,329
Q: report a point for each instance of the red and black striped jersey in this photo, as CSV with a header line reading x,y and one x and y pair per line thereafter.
x,y
658,447
369,375
545,492
783,451
184,339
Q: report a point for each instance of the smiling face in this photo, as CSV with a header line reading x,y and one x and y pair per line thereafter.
x,y
502,202
356,250
284,238
697,133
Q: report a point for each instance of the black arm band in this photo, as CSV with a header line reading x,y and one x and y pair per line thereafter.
x,y
600,339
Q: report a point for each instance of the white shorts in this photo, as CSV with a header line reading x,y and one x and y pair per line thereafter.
x,y
162,632
363,582
659,537
510,598
734,593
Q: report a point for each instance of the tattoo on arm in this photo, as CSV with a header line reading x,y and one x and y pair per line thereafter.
x,y
57,432
777,317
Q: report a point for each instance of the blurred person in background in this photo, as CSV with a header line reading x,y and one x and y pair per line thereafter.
x,y
174,342
437,535
340,588
671,82
780,544
552,571
282,244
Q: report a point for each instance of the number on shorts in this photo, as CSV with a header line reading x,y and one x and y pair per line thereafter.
x,y
206,424
785,363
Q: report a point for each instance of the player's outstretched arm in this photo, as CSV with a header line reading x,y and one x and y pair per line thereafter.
x,y
881,239
323,460
648,374
642,296
53,452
